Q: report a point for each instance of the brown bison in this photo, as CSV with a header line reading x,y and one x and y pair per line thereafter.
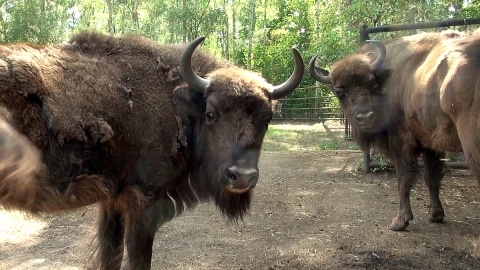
x,y
416,95
128,123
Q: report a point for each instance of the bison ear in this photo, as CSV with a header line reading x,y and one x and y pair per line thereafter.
x,y
189,101
381,75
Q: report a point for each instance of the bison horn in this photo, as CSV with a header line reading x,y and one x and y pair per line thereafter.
x,y
317,74
381,56
291,84
193,80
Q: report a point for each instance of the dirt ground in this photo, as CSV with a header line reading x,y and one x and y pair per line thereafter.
x,y
311,210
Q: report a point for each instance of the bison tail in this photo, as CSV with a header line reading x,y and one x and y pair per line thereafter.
x,y
25,185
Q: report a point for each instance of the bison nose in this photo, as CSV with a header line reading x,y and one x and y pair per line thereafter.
x,y
365,119
242,178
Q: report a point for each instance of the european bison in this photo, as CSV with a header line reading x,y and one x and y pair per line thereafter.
x,y
416,95
128,123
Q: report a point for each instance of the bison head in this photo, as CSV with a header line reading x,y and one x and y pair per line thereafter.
x,y
230,110
354,81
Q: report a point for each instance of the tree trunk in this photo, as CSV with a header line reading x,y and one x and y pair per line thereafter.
x,y
184,21
226,36
135,19
234,33
265,5
111,16
252,20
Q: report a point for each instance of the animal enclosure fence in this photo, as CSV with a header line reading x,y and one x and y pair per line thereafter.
x,y
315,107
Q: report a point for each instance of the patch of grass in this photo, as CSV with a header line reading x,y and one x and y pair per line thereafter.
x,y
304,138
279,140
353,146
329,145
281,134
383,164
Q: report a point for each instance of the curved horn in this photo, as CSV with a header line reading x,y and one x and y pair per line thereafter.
x,y
291,84
381,56
317,76
193,80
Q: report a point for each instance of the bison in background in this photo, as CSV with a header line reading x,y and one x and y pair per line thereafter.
x,y
412,96
127,123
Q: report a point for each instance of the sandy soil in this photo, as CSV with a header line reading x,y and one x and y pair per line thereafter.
x,y
311,210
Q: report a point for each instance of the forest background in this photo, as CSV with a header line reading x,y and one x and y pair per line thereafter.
x,y
253,34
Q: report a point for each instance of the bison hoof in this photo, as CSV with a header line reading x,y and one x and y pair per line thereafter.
x,y
436,219
436,215
400,223
398,226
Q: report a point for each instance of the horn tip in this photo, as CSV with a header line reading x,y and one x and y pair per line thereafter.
x,y
312,61
198,40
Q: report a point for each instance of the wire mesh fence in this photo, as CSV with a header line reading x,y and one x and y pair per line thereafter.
x,y
314,106
308,109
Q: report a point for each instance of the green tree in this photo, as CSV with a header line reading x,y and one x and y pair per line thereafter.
x,y
36,21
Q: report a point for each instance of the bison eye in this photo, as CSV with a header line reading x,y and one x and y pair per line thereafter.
x,y
210,116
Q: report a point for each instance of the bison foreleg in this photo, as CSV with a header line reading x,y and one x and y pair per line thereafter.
x,y
433,176
111,232
407,167
141,227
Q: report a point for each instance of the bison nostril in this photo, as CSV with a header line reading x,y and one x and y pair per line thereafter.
x,y
371,116
365,118
231,175
360,118
242,177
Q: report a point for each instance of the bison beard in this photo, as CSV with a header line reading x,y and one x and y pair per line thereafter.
x,y
122,122
234,206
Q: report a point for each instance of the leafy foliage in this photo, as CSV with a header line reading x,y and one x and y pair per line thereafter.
x,y
256,34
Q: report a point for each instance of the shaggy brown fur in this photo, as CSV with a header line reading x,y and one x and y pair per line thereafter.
x,y
110,120
423,100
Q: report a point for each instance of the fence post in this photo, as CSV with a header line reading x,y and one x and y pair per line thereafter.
x,y
310,110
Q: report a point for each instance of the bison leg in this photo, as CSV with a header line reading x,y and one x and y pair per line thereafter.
x,y
110,238
406,166
433,176
141,232
468,127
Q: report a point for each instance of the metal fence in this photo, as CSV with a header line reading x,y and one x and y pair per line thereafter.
x,y
316,108
308,109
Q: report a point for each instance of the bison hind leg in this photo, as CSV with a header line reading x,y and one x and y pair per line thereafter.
x,y
432,178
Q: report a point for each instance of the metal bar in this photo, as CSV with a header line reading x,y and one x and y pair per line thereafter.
x,y
412,26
